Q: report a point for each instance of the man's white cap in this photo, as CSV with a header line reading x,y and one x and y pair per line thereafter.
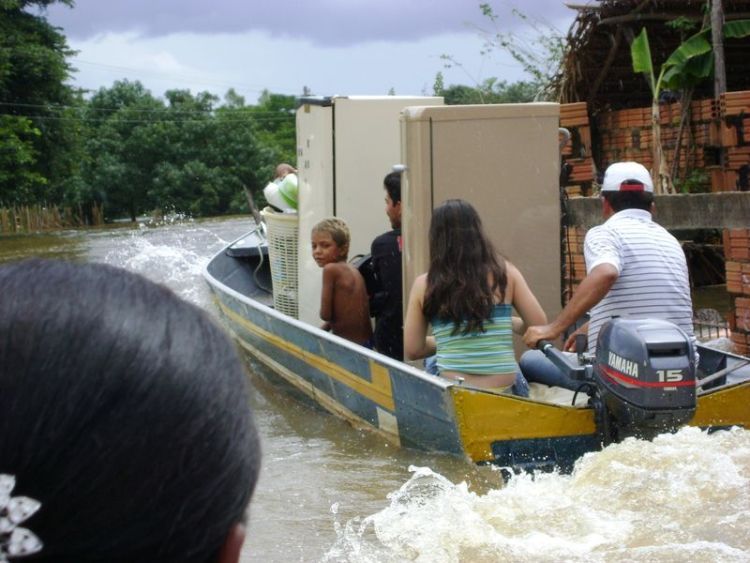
x,y
627,177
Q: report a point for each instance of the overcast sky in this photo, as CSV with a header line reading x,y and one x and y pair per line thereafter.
x,y
343,47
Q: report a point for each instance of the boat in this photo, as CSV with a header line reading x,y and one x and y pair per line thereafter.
x,y
411,408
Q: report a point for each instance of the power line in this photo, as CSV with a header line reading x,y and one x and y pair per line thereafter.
x,y
88,107
247,119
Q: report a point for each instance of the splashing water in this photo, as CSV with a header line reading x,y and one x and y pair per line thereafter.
x,y
167,261
684,496
173,254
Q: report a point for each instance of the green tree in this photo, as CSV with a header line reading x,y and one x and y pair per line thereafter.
x,y
439,86
539,53
34,100
490,92
184,153
232,100
274,123
216,153
19,180
126,138
191,187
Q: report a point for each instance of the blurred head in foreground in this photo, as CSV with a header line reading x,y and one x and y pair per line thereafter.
x,y
125,412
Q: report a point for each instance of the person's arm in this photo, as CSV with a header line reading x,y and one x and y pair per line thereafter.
x,y
592,289
416,342
524,301
330,273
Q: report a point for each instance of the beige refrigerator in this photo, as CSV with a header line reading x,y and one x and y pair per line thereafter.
x,y
345,147
502,158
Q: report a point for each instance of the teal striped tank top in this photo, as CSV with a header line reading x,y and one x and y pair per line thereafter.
x,y
482,353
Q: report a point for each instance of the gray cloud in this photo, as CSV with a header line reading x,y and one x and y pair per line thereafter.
x,y
323,22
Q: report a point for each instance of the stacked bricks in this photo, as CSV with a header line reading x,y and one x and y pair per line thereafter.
x,y
717,139
734,136
737,253
576,153
628,135
574,264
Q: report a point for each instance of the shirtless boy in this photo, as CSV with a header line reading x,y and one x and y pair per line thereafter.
x,y
344,301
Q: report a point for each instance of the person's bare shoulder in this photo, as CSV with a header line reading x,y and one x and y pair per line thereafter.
x,y
353,269
513,275
335,268
338,273
420,281
511,269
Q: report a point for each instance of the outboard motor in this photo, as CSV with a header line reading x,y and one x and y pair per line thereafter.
x,y
645,374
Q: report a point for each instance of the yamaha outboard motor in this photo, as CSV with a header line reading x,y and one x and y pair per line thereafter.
x,y
645,373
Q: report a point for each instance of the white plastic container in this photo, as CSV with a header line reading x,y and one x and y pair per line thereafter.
x,y
283,193
283,241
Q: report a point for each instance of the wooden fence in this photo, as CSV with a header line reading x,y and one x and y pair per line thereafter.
x,y
36,218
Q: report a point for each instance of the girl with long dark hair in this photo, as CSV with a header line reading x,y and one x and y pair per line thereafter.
x,y
467,296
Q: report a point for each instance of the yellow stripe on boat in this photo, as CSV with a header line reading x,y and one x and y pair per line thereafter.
x,y
724,407
378,390
388,426
484,418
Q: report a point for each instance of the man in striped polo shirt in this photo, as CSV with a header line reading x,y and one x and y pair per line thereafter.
x,y
635,269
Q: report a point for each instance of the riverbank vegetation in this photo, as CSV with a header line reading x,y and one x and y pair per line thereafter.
x,y
70,157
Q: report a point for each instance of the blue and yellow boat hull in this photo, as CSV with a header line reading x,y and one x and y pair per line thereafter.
x,y
409,407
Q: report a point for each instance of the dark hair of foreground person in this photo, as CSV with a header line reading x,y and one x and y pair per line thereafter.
x,y
125,412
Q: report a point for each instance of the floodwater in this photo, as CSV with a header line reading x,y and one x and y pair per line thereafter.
x,y
330,493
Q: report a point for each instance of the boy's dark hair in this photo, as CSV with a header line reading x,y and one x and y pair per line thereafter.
x,y
392,183
123,410
629,200
462,261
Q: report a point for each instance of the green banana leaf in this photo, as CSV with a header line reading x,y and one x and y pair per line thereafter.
x,y
737,29
694,46
640,53
689,64
692,73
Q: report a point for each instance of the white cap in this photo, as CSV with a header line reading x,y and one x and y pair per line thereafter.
x,y
627,177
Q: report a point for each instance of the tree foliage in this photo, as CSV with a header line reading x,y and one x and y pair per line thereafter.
x,y
19,181
538,52
33,75
491,91
123,147
689,64
182,153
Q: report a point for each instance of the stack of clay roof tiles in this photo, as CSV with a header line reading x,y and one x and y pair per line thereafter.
x,y
574,264
734,110
576,153
714,146
737,253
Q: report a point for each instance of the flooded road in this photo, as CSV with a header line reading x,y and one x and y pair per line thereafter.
x,y
331,493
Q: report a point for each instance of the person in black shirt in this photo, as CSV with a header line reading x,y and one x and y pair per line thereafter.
x,y
386,302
